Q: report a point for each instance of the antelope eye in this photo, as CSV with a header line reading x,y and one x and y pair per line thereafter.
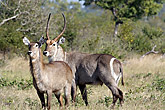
x,y
54,44
36,45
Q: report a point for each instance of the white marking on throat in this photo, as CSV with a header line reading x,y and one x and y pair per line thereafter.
x,y
112,70
53,58
33,60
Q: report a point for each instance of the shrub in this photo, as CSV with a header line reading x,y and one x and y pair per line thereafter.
x,y
20,84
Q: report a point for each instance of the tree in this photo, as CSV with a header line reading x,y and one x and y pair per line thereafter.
x,y
128,9
19,18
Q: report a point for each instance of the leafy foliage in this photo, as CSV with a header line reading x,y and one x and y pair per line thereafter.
x,y
132,9
122,10
21,84
10,38
158,84
87,30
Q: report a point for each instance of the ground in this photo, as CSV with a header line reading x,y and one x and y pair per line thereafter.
x,y
144,87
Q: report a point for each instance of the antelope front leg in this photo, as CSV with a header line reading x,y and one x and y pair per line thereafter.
x,y
42,99
67,91
49,98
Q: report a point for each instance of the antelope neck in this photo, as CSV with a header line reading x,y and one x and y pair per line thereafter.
x,y
36,67
58,56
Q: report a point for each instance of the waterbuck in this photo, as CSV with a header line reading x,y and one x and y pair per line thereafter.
x,y
88,68
60,56
49,77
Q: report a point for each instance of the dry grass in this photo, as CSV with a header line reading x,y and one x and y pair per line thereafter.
x,y
16,68
144,88
149,64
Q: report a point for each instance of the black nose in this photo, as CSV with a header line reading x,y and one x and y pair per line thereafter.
x,y
29,52
44,52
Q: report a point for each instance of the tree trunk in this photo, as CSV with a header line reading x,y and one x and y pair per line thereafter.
x,y
116,29
4,54
117,22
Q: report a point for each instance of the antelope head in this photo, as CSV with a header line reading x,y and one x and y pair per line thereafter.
x,y
34,48
52,45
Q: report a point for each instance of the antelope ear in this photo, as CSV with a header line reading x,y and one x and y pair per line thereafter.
x,y
61,41
41,41
26,41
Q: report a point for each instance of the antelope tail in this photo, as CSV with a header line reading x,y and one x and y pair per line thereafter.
x,y
121,71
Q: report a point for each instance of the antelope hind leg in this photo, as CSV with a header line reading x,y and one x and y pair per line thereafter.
x,y
84,93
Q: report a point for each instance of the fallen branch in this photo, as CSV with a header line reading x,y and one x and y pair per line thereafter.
x,y
152,51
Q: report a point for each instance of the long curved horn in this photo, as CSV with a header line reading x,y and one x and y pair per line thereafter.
x,y
55,39
47,33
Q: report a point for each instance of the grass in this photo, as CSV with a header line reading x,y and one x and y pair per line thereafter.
x,y
144,87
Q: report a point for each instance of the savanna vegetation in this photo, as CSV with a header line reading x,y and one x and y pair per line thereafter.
x,y
127,29
144,87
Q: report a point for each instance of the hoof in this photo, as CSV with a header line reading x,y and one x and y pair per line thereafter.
x,y
121,102
112,106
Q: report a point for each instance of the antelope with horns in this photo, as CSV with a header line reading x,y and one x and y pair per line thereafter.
x,y
60,53
88,68
49,77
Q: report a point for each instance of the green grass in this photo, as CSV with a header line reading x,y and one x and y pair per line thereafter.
x,y
144,88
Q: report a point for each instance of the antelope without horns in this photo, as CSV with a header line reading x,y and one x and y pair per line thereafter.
x,y
89,68
49,77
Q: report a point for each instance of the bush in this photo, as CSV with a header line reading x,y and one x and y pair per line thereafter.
x,y
20,84
11,40
141,44
144,41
